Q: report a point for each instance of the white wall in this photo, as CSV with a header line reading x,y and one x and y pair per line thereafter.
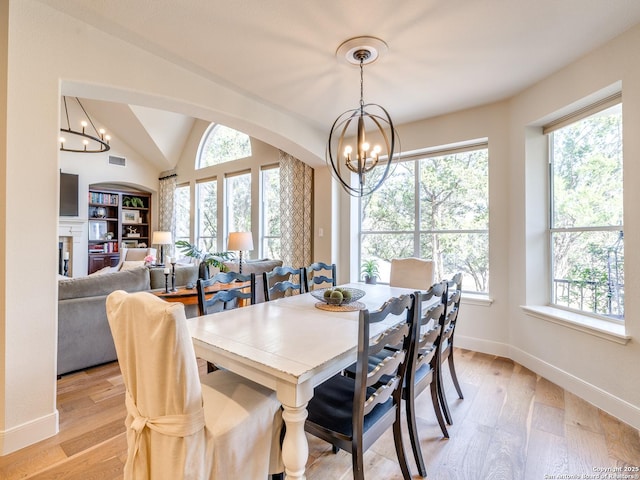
x,y
48,52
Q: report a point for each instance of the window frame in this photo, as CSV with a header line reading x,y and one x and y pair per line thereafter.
x,y
418,232
548,131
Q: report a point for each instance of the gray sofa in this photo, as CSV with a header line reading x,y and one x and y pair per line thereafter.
x,y
84,337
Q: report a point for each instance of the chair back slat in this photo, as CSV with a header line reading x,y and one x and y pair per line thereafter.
x,y
281,282
314,275
381,394
227,298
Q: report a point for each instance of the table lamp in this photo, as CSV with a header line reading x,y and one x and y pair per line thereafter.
x,y
162,239
240,241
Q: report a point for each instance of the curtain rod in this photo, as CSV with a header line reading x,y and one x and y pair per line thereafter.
x,y
168,176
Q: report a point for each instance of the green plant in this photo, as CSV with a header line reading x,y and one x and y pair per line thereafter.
x,y
132,202
214,259
370,269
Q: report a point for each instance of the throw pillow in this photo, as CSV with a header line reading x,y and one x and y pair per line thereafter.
x,y
130,265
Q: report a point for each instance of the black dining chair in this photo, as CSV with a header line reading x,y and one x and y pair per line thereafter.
x,y
424,367
448,330
319,273
352,413
282,281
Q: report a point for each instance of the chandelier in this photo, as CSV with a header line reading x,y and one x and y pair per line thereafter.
x,y
85,140
363,138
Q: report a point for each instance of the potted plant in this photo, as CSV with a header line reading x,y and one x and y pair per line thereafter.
x,y
370,271
206,258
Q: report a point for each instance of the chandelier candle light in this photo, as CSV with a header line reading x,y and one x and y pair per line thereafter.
x,y
91,143
363,138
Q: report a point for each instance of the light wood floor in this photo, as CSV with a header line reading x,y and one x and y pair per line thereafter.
x,y
511,425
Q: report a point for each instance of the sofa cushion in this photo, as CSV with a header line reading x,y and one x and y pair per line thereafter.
x,y
90,286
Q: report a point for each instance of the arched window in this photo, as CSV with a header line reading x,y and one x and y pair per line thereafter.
x,y
222,144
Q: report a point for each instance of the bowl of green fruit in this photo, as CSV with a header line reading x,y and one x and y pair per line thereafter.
x,y
338,295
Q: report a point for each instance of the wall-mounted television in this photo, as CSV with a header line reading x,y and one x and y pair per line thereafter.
x,y
68,195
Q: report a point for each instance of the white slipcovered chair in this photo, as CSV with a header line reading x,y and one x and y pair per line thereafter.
x,y
178,425
411,273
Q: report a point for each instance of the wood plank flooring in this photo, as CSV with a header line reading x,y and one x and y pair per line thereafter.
x,y
511,425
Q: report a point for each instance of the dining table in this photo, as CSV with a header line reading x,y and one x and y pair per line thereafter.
x,y
290,345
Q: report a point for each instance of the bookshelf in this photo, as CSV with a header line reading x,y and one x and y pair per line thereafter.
x,y
117,218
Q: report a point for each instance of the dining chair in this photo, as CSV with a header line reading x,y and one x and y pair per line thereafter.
x,y
179,425
448,330
228,298
281,282
319,273
424,368
224,299
352,413
411,272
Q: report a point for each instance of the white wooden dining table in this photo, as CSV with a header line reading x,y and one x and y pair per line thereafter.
x,y
290,346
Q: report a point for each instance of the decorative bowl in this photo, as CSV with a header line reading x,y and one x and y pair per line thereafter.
x,y
353,295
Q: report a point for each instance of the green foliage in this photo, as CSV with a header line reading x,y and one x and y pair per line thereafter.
x,y
132,202
224,144
210,258
370,268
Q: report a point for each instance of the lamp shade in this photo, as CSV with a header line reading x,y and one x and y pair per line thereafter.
x,y
240,241
161,238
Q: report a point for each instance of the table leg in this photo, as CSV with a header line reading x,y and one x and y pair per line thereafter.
x,y
295,449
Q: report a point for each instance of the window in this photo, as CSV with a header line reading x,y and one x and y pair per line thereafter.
x,y
238,202
183,210
432,206
222,144
586,207
271,212
207,215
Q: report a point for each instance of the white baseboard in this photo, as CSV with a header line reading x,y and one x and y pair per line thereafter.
x,y
619,408
28,433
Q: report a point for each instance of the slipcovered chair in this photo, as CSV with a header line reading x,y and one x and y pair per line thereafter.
x,y
179,426
412,272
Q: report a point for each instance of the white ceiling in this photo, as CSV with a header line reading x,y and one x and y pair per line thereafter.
x,y
443,56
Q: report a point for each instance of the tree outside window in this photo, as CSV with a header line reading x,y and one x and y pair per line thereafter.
x,y
238,202
222,144
271,212
182,209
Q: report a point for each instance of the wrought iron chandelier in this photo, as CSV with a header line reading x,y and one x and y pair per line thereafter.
x,y
363,138
87,142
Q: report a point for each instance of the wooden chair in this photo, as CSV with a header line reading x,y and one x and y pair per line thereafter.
x,y
412,272
448,330
424,369
179,425
224,299
280,282
313,275
228,298
352,413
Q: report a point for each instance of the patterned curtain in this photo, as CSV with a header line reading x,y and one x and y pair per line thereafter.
x,y
296,209
166,205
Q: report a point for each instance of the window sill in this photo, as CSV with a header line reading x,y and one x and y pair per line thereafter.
x,y
476,299
583,323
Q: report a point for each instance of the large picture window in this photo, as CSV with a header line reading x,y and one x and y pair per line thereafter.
x,y
433,206
207,215
270,212
222,144
183,211
586,213
238,202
